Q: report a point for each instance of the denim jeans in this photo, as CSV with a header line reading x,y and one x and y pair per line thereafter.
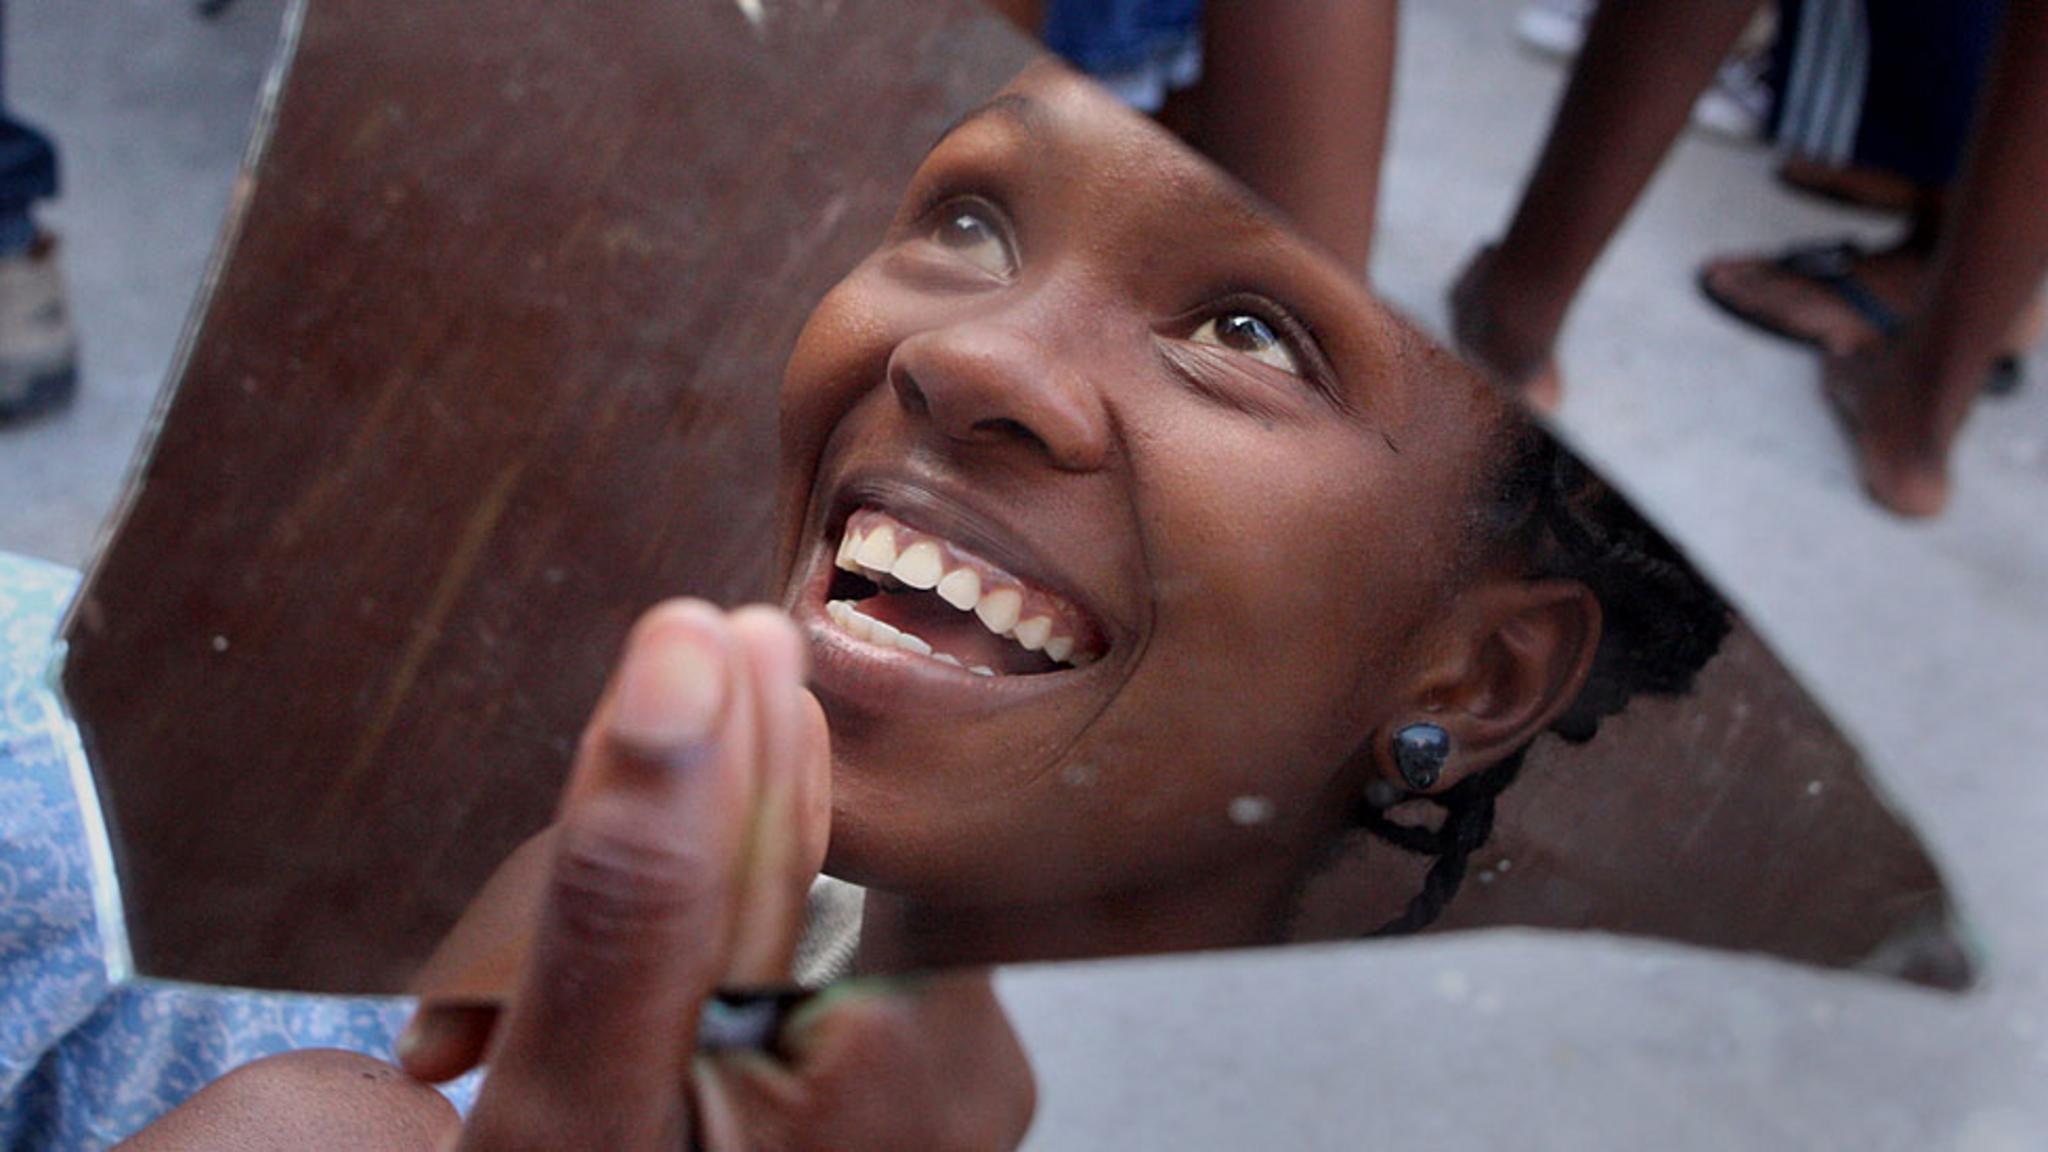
x,y
28,168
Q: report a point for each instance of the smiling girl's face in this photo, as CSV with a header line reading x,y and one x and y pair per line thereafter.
x,y
1119,519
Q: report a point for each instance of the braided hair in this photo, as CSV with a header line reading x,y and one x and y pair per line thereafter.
x,y
1660,624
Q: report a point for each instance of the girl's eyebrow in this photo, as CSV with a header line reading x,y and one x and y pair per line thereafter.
x,y
1024,113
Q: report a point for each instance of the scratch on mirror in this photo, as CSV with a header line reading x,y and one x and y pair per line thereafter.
x,y
426,635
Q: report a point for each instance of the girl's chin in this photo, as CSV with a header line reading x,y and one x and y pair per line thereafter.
x,y
855,857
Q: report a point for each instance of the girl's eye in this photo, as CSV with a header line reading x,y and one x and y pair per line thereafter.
x,y
967,231
1246,333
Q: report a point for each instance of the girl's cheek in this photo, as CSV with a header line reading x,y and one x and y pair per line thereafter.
x,y
842,352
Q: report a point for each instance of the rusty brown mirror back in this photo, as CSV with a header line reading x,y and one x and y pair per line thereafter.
x,y
490,365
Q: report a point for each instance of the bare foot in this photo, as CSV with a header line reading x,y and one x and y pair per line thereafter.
x,y
1881,409
1485,335
1870,188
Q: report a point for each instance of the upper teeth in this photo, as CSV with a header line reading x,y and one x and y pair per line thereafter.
x,y
999,608
877,549
961,588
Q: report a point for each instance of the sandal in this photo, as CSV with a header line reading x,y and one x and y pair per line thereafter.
x,y
1833,267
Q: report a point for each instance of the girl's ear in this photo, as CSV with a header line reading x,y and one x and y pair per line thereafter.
x,y
1515,654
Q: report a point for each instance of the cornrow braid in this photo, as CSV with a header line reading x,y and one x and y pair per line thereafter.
x,y
1468,809
1660,624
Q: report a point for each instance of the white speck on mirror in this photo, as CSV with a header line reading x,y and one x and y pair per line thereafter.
x,y
1452,985
755,13
220,643
2024,453
1996,1130
1247,811
1079,774
1814,787
1381,794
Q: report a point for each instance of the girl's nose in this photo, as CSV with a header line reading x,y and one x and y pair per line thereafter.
x,y
994,384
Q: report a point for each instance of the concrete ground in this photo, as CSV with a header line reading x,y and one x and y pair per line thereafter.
x,y
1925,640
150,107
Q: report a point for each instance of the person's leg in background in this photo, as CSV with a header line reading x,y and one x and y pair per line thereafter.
x,y
1643,66
1292,98
38,355
1027,15
1903,402
1294,101
1910,85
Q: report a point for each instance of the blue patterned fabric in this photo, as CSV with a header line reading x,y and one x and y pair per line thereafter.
x,y
86,1061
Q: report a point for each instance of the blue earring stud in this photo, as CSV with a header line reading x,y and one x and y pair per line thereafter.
x,y
1420,753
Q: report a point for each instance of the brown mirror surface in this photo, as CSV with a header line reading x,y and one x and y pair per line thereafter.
x,y
491,365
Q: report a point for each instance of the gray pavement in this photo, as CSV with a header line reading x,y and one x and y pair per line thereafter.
x,y
1924,639
150,107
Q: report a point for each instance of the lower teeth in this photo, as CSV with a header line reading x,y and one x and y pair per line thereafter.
x,y
862,626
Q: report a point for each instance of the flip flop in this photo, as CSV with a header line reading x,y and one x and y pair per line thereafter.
x,y
1832,266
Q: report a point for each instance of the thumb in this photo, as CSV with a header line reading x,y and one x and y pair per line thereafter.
x,y
637,913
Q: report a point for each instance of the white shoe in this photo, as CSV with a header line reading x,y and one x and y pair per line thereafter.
x,y
1738,106
1554,27
38,353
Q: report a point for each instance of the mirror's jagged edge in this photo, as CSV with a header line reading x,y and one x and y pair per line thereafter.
x,y
110,914
979,230
498,489
1938,949
262,121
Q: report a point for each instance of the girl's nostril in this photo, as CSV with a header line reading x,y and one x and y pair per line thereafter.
x,y
1003,426
911,395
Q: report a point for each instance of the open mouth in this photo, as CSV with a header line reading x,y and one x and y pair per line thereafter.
x,y
901,588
